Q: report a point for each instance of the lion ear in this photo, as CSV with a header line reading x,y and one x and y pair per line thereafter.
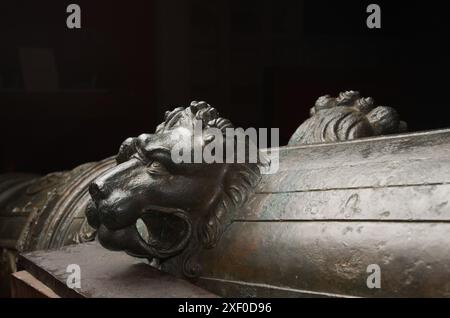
x,y
209,233
212,228
126,150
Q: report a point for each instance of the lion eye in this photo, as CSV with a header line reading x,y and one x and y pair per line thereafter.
x,y
156,168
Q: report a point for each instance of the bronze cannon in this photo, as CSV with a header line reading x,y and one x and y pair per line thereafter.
x,y
343,200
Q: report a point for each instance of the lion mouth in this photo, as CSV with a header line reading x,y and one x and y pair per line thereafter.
x,y
165,229
159,232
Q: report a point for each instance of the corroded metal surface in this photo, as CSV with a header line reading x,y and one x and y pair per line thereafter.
x,y
331,211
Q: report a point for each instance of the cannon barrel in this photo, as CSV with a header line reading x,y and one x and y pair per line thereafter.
x,y
313,228
40,213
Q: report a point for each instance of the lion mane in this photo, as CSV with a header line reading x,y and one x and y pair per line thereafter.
x,y
239,179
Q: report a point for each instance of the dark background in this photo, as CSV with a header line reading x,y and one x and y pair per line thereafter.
x,y
72,96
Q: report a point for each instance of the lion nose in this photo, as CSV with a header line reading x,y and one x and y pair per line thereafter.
x,y
96,191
